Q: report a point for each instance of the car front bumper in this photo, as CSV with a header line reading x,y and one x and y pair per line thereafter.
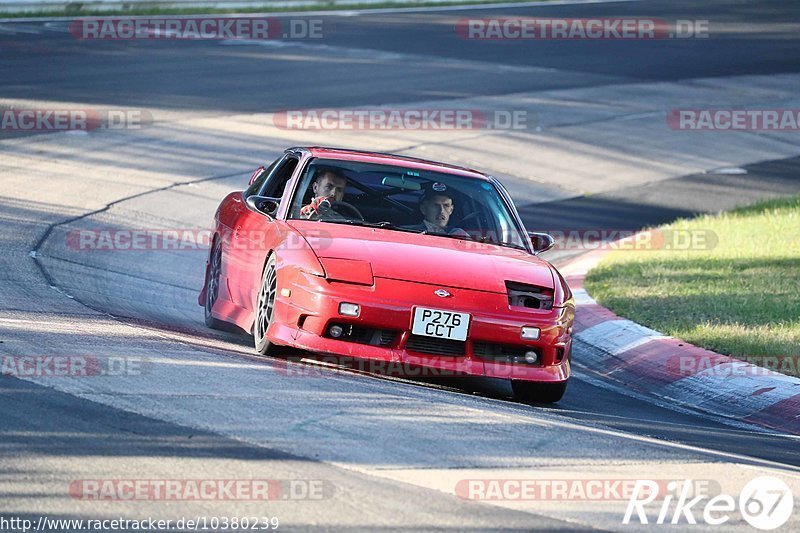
x,y
307,306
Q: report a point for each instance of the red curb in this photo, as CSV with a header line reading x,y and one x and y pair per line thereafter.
x,y
590,315
782,416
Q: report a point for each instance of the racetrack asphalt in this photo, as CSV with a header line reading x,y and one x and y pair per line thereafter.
x,y
204,406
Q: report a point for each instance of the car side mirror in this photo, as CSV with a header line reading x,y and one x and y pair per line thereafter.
x,y
256,174
263,204
541,241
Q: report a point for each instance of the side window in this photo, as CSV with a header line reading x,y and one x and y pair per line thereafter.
x,y
259,182
303,191
276,184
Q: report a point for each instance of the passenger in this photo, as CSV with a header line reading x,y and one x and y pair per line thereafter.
x,y
437,207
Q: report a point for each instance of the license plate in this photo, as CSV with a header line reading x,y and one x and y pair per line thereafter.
x,y
440,324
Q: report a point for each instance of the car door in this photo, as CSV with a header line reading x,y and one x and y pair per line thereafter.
x,y
254,234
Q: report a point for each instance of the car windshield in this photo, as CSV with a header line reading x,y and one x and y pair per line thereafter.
x,y
405,199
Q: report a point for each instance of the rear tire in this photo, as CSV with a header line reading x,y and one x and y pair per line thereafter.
x,y
213,277
265,308
528,391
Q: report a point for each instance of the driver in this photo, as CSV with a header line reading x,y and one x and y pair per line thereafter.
x,y
436,207
328,186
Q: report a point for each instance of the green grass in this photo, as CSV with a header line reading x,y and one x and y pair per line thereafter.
x,y
740,297
78,9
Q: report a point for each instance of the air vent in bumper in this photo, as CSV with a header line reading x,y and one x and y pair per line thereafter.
x,y
434,346
365,335
502,352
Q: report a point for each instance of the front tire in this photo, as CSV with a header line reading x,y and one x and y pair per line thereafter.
x,y
528,391
265,308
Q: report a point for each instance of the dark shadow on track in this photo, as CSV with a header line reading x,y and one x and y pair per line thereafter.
x,y
662,202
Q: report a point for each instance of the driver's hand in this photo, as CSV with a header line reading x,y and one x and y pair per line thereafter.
x,y
318,205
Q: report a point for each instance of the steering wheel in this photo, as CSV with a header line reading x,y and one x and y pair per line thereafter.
x,y
353,209
473,236
470,217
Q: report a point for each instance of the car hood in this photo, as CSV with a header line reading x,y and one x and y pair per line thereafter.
x,y
426,258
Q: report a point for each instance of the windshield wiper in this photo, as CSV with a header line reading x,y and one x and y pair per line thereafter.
x,y
389,225
474,239
382,225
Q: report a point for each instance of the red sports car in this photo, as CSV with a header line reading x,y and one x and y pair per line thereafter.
x,y
390,258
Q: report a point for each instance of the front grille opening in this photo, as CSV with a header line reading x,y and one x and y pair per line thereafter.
x,y
530,296
434,346
504,353
364,335
386,337
559,354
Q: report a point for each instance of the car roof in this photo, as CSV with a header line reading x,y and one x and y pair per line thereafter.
x,y
390,159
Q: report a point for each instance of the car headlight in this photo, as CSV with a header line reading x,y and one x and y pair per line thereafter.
x,y
530,296
347,270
